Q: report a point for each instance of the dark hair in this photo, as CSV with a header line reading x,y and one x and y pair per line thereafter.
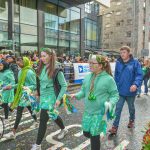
x,y
5,64
51,64
19,58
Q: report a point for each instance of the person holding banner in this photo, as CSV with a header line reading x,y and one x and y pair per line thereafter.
x,y
49,101
98,89
26,79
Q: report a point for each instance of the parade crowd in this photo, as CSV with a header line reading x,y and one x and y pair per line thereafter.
x,y
101,91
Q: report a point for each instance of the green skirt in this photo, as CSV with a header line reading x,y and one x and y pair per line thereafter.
x,y
93,124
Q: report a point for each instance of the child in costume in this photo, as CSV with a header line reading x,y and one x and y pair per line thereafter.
x,y
26,79
48,98
98,90
6,78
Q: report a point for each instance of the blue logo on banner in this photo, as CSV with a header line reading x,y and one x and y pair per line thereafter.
x,y
83,69
80,69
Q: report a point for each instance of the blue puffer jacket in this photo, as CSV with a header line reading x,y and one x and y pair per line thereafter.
x,y
128,74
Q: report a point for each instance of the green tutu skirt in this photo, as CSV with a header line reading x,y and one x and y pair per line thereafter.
x,y
93,124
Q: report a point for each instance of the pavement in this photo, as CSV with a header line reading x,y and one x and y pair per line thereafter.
x,y
127,139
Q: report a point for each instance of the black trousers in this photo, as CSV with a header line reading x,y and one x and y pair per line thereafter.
x,y
95,140
43,125
19,115
6,109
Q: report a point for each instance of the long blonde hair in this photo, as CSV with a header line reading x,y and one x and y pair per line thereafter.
x,y
50,68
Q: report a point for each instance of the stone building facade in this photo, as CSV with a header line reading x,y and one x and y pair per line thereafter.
x,y
126,23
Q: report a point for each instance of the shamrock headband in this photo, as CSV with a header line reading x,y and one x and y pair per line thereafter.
x,y
99,58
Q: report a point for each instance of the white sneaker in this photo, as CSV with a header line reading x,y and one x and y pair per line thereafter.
x,y
62,134
34,125
36,147
10,136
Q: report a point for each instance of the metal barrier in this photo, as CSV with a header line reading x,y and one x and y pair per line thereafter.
x,y
68,72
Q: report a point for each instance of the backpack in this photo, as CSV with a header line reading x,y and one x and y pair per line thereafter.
x,y
14,68
57,86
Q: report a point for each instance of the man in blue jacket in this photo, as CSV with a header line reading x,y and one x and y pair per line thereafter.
x,y
128,77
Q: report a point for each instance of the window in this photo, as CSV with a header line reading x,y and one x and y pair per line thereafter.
x,y
27,23
3,4
88,7
50,16
118,3
106,46
75,31
129,44
129,21
4,9
108,15
128,34
51,24
64,17
117,24
107,25
92,7
75,22
129,10
91,33
3,25
3,38
28,43
28,3
106,36
118,13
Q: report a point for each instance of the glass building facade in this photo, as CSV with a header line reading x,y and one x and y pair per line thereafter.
x,y
40,23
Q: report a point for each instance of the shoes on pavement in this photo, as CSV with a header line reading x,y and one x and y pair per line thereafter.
x,y
36,147
138,95
34,125
113,130
10,136
62,134
131,124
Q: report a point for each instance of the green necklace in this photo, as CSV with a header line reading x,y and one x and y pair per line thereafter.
x,y
91,96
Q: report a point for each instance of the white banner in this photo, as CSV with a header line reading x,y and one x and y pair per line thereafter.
x,y
80,71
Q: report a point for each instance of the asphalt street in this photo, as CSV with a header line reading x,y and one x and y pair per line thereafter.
x,y
74,140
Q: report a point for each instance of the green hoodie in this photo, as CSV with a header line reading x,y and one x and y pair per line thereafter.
x,y
7,78
105,89
26,77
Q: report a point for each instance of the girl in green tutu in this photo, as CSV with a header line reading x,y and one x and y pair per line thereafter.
x,y
98,89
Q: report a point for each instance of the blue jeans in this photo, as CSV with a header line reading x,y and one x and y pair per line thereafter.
x,y
130,101
145,85
145,80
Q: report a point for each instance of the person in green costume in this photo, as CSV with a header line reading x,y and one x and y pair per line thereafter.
x,y
26,79
6,79
48,98
98,88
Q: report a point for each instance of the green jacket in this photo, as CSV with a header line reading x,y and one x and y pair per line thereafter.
x,y
47,93
30,82
7,78
105,89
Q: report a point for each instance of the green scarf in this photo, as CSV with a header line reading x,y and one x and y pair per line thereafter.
x,y
27,66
